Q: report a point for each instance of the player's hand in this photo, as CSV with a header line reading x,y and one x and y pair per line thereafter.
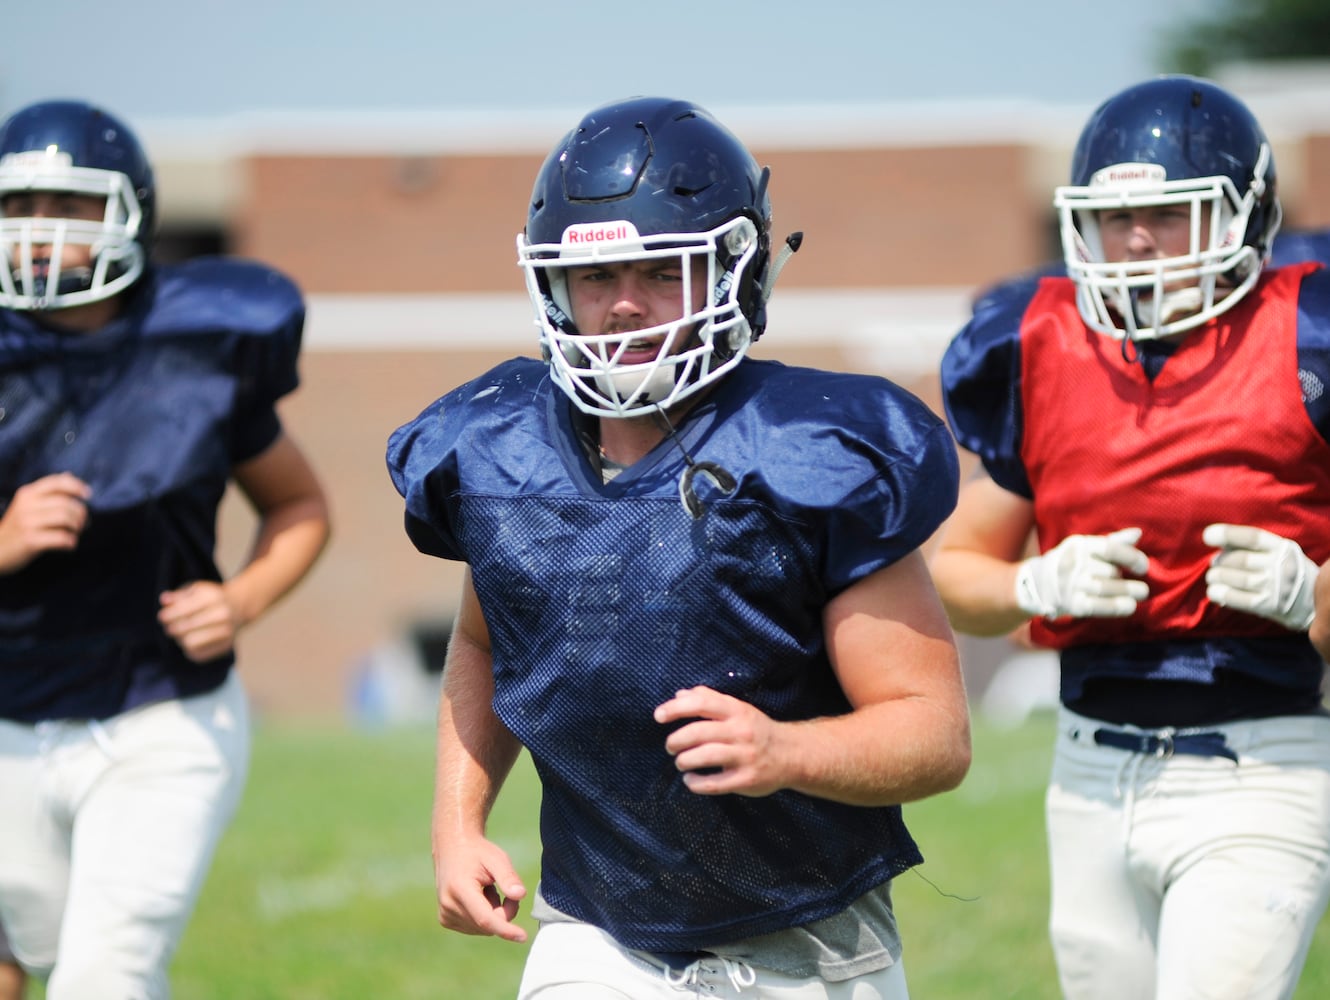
x,y
479,890
45,515
1082,577
728,748
1261,573
200,619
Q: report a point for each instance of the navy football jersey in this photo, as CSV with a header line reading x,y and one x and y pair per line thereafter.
x,y
152,412
603,599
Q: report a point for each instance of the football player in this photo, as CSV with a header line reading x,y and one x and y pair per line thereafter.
x,y
694,594
130,396
1154,503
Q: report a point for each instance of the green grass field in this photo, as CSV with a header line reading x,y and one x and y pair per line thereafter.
x,y
323,887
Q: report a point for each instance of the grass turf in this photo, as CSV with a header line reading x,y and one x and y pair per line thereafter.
x,y
323,887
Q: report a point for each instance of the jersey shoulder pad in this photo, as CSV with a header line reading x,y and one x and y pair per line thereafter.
x,y
860,453
1315,288
985,354
212,294
1292,246
981,378
1314,310
482,406
425,454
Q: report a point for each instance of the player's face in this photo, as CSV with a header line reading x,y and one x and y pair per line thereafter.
x,y
1149,232
57,205
1153,232
635,295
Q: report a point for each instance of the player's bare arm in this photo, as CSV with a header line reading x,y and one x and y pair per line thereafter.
x,y
204,617
906,738
974,566
46,515
479,890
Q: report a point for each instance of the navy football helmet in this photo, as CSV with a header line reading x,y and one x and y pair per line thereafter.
x,y
1173,140
74,148
640,179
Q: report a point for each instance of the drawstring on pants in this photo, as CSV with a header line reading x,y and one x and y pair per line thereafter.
x,y
741,973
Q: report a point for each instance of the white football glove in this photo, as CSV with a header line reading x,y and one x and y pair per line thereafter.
x,y
1082,577
1261,573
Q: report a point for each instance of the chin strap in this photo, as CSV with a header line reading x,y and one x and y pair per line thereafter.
x,y
720,476
1130,352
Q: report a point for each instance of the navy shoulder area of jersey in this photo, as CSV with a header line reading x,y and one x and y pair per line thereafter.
x,y
854,453
252,316
210,294
981,379
505,395
242,316
1294,245
423,453
817,437
859,456
1314,347
1314,310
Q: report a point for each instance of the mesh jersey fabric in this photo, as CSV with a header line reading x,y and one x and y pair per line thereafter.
x,y
603,599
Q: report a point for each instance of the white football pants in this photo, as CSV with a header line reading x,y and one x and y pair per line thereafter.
x,y
107,830
576,961
1185,877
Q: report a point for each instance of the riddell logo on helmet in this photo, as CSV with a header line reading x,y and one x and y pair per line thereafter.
x,y
37,159
585,233
1129,173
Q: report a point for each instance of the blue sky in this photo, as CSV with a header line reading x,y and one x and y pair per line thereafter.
x,y
204,58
